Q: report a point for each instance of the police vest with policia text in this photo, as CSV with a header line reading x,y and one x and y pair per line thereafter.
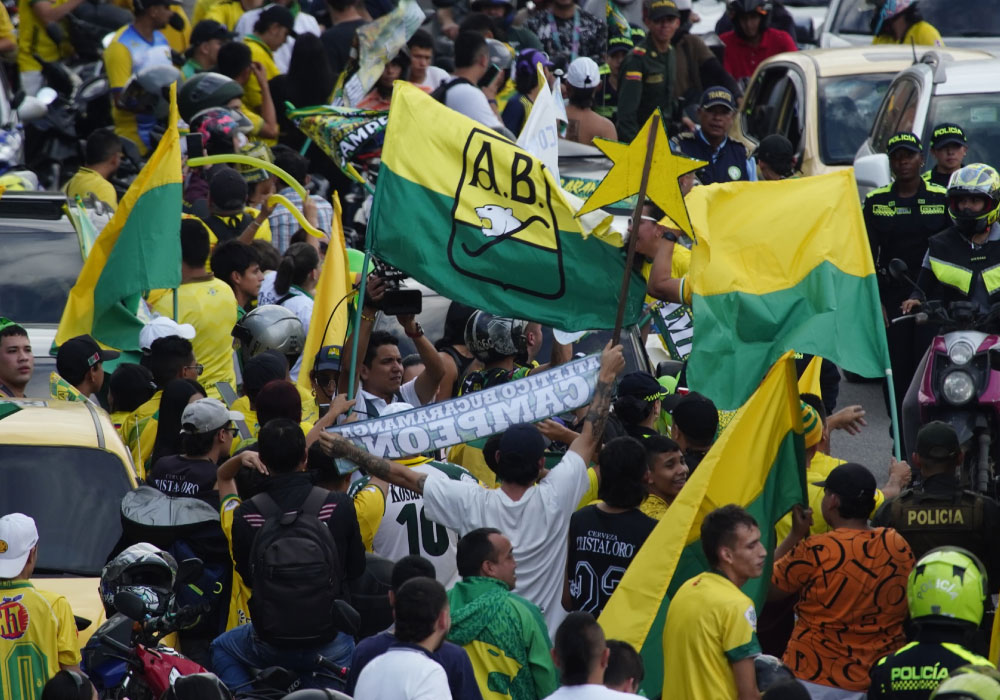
x,y
929,520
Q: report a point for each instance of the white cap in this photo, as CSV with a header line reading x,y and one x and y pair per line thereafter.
x,y
583,73
394,408
206,416
683,5
161,327
18,535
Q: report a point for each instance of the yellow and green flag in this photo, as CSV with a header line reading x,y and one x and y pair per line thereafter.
x,y
138,250
481,221
780,265
758,463
328,323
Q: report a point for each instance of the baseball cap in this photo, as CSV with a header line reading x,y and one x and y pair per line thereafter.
x,y
718,95
79,354
946,133
161,327
18,535
522,440
937,440
328,358
903,139
620,42
209,29
527,59
641,384
658,9
278,14
850,481
696,416
778,152
227,189
583,73
206,416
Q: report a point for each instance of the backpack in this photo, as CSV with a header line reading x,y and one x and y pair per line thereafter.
x,y
296,574
441,93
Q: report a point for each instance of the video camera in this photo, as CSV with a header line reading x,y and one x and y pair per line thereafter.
x,y
397,299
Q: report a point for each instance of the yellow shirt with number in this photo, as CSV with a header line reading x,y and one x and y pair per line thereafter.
x,y
33,39
262,54
37,634
710,624
209,305
87,181
239,596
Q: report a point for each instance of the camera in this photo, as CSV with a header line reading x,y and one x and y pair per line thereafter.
x,y
397,299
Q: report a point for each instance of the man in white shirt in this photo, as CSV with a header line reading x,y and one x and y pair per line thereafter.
x,y
381,371
304,23
462,92
422,74
407,671
535,518
581,655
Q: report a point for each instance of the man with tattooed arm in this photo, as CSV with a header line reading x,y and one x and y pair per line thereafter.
x,y
533,513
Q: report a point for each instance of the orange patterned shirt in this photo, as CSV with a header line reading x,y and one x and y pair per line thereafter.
x,y
852,603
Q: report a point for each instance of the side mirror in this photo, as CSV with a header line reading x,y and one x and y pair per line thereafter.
x,y
871,172
898,269
31,109
189,571
130,605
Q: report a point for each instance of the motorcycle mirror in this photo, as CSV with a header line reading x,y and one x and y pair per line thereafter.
x,y
189,571
898,269
130,605
31,109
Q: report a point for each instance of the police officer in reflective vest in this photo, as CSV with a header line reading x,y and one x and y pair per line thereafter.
x,y
900,217
939,512
727,159
945,592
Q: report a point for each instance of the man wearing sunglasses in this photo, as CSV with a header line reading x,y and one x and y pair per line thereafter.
x,y
207,434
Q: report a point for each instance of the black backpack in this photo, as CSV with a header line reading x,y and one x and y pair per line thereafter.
x,y
441,93
296,575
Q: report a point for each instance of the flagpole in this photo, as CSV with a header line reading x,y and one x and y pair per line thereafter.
x,y
357,320
892,414
654,126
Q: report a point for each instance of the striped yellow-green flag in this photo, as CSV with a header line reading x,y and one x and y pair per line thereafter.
x,y
481,221
138,250
780,265
328,323
809,379
758,463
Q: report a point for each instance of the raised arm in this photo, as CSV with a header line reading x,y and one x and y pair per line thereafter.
x,y
434,367
612,362
339,446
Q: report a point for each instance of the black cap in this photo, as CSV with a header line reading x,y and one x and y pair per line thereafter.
x,y
946,133
227,189
79,354
904,139
278,14
718,95
778,152
853,482
522,440
209,29
697,417
641,384
937,440
658,9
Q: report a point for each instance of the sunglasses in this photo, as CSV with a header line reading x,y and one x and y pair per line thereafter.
x,y
325,379
643,218
198,369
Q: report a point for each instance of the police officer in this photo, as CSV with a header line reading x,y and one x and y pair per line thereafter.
x,y
949,148
939,512
900,217
945,593
648,73
727,159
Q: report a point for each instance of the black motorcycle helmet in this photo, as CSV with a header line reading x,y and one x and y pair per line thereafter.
x,y
747,7
197,686
491,338
204,91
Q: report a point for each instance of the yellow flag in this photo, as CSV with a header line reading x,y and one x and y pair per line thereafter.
x,y
328,324
809,381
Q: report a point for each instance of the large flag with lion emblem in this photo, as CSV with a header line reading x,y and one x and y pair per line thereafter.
x,y
481,221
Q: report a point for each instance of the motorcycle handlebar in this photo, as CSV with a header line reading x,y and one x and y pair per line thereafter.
x,y
329,666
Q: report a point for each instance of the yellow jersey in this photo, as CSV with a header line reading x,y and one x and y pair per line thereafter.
x,y
86,182
138,431
33,39
242,404
239,596
260,52
209,305
710,624
201,7
178,38
654,506
227,13
6,26
920,33
37,636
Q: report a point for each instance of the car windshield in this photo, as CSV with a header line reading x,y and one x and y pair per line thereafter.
x,y
847,106
74,494
952,18
37,269
979,115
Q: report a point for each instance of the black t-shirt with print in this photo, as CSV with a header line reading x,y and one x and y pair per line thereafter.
x,y
175,475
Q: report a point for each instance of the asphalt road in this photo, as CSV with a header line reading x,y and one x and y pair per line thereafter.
x,y
873,446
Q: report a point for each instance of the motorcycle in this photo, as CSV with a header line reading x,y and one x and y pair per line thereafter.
x,y
960,383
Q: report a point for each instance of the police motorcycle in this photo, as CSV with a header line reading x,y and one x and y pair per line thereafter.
x,y
960,383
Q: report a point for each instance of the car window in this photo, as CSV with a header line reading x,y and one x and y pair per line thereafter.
x,y
952,18
773,105
897,112
37,269
74,495
979,115
847,106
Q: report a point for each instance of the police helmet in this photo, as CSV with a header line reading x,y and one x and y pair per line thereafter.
x,y
973,682
978,180
947,584
144,570
270,327
204,91
491,338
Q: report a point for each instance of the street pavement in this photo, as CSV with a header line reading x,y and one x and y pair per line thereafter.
x,y
873,446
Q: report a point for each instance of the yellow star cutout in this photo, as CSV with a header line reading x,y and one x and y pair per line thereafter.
x,y
625,176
